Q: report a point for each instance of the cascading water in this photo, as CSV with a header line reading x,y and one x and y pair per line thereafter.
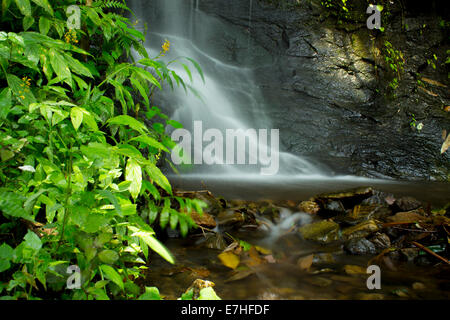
x,y
229,98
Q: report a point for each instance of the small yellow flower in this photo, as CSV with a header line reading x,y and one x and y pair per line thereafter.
x,y
166,46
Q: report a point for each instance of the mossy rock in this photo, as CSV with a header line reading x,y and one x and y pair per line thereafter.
x,y
322,231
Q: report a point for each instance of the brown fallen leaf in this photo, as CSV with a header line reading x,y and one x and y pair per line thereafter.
x,y
433,82
407,217
305,262
444,134
447,108
253,258
446,144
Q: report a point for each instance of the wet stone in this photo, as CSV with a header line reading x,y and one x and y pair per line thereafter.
x,y
323,231
323,259
361,230
359,213
310,207
360,246
407,203
410,253
381,241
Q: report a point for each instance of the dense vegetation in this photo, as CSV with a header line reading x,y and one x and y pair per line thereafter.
x,y
79,181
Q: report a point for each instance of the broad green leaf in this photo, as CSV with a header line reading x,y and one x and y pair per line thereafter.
x,y
76,116
173,221
24,7
128,121
107,194
133,173
129,151
77,66
44,25
208,293
44,4
5,102
112,275
89,120
150,142
59,65
145,75
32,240
27,22
153,243
5,6
108,256
21,91
6,252
151,293
156,175
141,90
4,265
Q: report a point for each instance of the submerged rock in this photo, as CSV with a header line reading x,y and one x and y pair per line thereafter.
x,y
360,247
323,231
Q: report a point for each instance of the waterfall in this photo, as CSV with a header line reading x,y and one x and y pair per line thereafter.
x,y
230,100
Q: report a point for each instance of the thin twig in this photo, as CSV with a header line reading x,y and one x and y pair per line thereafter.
x,y
415,230
430,252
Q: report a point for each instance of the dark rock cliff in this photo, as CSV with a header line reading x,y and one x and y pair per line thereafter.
x,y
326,95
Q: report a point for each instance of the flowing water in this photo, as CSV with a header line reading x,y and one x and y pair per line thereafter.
x,y
229,99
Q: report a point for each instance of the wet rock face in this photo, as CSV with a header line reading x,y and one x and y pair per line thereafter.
x,y
323,94
360,246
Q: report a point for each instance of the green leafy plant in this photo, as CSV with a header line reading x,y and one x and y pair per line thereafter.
x,y
79,181
395,62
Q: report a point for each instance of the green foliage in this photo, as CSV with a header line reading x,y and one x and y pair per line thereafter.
x,y
395,62
83,176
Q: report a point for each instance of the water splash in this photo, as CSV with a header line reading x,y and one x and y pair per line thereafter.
x,y
287,222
